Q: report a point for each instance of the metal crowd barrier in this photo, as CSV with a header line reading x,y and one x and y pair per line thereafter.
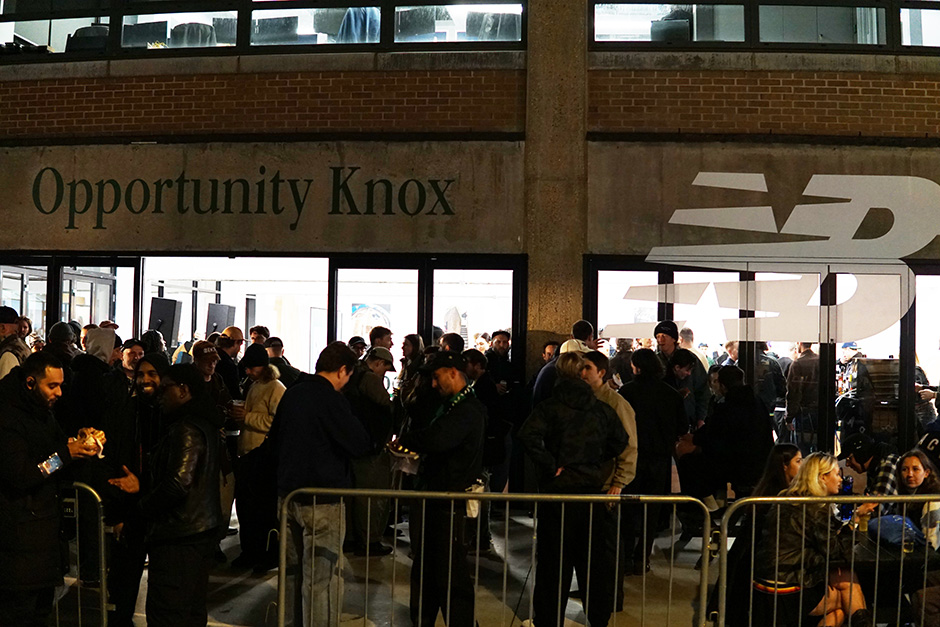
x,y
502,594
894,578
72,511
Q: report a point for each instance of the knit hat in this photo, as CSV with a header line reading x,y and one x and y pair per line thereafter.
x,y
255,355
60,332
158,360
669,328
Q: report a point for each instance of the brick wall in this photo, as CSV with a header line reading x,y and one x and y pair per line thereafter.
x,y
818,103
407,101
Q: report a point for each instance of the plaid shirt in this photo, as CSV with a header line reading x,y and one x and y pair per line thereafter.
x,y
883,478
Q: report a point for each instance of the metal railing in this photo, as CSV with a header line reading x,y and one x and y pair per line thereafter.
x,y
506,590
72,511
871,558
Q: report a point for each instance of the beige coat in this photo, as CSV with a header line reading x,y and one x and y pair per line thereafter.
x,y
625,469
263,397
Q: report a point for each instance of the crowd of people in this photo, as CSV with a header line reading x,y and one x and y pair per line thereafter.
x,y
171,442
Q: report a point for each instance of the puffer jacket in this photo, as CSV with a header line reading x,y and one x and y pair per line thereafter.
x,y
29,507
573,430
824,540
184,475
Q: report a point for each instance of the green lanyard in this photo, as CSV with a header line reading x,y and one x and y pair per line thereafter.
x,y
454,400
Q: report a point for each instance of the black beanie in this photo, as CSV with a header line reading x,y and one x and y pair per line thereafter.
x,y
255,355
669,328
158,360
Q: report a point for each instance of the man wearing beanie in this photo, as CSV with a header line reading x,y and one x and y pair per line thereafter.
x,y
257,502
133,432
693,388
13,350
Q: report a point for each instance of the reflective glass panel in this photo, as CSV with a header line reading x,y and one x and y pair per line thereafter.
x,y
668,23
36,305
458,22
472,303
627,304
12,291
81,34
355,25
822,25
868,335
180,30
920,27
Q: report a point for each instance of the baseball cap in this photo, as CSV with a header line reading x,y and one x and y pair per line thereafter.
x,y
273,342
8,315
576,346
852,345
131,343
857,444
380,352
444,359
354,340
202,349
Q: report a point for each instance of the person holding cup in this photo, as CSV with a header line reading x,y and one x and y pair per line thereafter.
x,y
798,544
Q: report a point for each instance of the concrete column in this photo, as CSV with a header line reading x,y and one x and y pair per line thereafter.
x,y
555,167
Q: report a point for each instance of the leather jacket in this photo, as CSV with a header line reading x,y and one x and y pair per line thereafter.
x,y
825,540
184,475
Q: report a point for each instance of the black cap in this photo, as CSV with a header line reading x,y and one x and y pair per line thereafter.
x,y
859,445
131,343
669,328
354,340
444,359
255,355
159,362
8,315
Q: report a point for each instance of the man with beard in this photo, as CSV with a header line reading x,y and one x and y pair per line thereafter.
x,y
32,451
135,430
182,506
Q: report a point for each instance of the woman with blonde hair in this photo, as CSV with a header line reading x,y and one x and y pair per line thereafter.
x,y
804,549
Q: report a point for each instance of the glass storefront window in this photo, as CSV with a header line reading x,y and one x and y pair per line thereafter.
x,y
36,305
12,292
707,303
81,309
102,302
81,34
335,25
180,30
822,24
669,23
627,304
920,27
367,298
458,22
868,336
473,302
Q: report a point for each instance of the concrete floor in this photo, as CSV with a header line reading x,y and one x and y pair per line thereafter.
x,y
503,587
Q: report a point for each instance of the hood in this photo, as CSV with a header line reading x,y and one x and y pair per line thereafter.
x,y
14,391
573,393
100,343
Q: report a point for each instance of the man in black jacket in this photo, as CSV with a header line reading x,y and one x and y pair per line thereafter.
x,y
573,438
451,450
134,429
229,345
182,506
314,436
32,451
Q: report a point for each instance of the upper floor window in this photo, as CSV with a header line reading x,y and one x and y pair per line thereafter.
x,y
130,27
839,25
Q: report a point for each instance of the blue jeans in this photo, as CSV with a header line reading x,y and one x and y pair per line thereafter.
x,y
315,535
